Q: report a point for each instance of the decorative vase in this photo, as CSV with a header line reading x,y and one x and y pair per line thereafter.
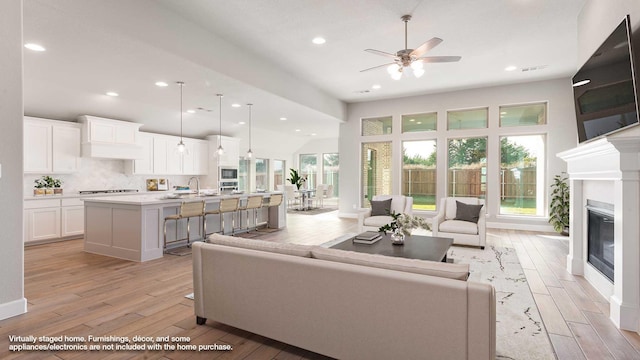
x,y
397,237
38,192
57,191
48,191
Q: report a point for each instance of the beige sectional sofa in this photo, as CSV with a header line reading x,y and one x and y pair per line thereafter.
x,y
344,304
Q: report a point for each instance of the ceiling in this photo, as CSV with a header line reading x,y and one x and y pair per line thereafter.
x,y
260,52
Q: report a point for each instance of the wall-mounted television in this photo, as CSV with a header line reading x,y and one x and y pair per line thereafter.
x,y
605,88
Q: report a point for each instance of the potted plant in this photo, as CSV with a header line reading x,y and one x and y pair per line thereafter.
x,y
57,186
295,178
39,187
559,206
401,226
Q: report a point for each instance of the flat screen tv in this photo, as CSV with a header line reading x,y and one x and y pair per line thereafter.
x,y
604,88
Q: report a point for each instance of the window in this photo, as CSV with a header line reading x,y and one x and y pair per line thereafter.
x,y
523,115
522,175
467,174
262,174
309,168
376,126
467,119
419,173
243,175
278,173
419,122
331,170
376,170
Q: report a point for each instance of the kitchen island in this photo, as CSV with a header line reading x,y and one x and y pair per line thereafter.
x,y
131,226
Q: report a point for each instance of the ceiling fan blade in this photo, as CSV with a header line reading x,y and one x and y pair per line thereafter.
x,y
375,67
428,45
381,53
439,59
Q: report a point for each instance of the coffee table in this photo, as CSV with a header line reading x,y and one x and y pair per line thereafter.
x,y
415,247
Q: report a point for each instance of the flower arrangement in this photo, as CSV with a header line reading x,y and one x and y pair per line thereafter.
x,y
47,185
296,179
404,223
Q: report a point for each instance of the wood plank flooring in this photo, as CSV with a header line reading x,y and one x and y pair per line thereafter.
x,y
76,294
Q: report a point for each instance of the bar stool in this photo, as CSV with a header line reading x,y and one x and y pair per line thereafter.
x,y
274,200
227,205
254,203
187,211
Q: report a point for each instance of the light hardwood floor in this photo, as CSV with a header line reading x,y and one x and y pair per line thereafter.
x,y
74,293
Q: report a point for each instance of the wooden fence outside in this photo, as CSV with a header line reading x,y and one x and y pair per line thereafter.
x,y
470,182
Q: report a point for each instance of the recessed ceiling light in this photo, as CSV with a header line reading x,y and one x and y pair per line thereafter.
x,y
161,84
297,130
313,134
242,123
34,47
376,86
283,118
510,68
235,105
191,111
318,40
111,93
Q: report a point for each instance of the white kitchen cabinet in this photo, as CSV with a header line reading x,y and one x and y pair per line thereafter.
x,y
72,217
42,220
144,165
51,146
201,159
231,146
66,149
47,219
160,155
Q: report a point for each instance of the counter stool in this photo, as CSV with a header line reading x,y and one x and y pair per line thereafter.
x,y
254,203
227,205
187,211
274,200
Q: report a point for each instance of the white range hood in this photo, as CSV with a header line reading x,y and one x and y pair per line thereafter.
x,y
109,139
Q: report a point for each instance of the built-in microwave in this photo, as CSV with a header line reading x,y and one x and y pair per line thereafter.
x,y
228,173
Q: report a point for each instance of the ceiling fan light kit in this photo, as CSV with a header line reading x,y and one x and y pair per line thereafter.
x,y
410,59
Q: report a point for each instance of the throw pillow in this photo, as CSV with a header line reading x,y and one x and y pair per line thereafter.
x,y
380,207
466,212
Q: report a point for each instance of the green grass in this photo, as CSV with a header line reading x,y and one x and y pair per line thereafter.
x,y
507,206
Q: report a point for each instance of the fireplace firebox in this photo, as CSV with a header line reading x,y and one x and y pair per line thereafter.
x,y
600,243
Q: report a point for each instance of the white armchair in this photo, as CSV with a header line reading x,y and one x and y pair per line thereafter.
x,y
462,232
399,204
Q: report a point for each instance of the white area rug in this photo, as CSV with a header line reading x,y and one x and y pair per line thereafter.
x,y
519,328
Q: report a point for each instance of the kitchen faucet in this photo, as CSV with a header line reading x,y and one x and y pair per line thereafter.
x,y
197,184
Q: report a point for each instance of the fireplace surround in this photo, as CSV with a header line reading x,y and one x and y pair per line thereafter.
x,y
608,170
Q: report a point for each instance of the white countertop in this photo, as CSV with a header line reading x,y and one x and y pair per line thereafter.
x,y
152,198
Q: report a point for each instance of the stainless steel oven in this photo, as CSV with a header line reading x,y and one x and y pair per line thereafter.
x,y
228,173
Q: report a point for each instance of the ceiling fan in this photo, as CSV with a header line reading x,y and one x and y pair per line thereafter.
x,y
411,58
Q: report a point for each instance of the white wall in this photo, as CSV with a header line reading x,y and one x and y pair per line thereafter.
x,y
599,18
12,301
561,130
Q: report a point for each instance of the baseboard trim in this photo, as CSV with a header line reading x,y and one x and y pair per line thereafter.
x,y
13,308
524,227
347,215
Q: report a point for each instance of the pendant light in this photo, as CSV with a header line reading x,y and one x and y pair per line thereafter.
x,y
220,149
181,148
249,153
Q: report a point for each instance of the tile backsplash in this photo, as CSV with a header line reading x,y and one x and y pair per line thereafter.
x,y
103,174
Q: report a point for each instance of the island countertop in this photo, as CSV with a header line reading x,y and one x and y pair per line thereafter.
x,y
155,199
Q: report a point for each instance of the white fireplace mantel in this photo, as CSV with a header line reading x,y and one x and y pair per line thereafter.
x,y
615,160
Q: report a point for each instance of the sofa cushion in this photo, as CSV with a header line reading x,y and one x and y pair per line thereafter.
x,y
380,207
281,248
424,267
467,212
398,202
377,221
458,226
